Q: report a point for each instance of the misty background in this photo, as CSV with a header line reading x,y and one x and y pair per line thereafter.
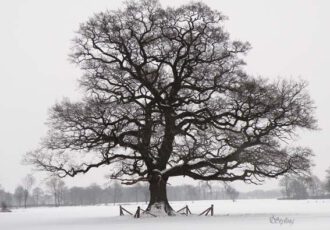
x,y
290,39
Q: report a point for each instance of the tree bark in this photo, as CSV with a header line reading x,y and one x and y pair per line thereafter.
x,y
158,203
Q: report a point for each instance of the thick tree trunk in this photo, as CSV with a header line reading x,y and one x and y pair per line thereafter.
x,y
158,203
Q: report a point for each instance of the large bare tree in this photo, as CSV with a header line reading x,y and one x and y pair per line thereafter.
x,y
166,96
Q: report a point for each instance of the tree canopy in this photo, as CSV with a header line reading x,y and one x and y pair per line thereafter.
x,y
165,93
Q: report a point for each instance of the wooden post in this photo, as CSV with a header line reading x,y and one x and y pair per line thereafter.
x,y
121,213
212,210
137,214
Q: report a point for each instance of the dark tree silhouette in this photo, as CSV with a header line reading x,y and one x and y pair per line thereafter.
x,y
165,96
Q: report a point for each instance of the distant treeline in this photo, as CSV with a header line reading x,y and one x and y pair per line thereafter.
x,y
296,187
56,193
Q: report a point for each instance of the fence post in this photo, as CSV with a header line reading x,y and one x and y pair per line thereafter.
x,y
121,213
137,214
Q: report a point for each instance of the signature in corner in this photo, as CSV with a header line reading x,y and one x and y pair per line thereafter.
x,y
281,220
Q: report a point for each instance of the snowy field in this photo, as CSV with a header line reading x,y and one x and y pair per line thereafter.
x,y
242,214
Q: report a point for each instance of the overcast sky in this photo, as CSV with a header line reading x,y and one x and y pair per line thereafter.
x,y
290,39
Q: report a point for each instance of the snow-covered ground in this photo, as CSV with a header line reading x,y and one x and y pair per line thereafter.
x,y
242,214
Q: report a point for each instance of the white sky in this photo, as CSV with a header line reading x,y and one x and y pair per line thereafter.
x,y
290,38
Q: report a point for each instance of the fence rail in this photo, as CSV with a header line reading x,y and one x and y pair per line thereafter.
x,y
122,210
185,209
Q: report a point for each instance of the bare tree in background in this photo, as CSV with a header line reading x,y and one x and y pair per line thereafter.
x,y
56,186
37,193
19,195
27,184
115,190
298,189
314,186
4,207
295,186
166,96
4,200
231,192
327,181
285,184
